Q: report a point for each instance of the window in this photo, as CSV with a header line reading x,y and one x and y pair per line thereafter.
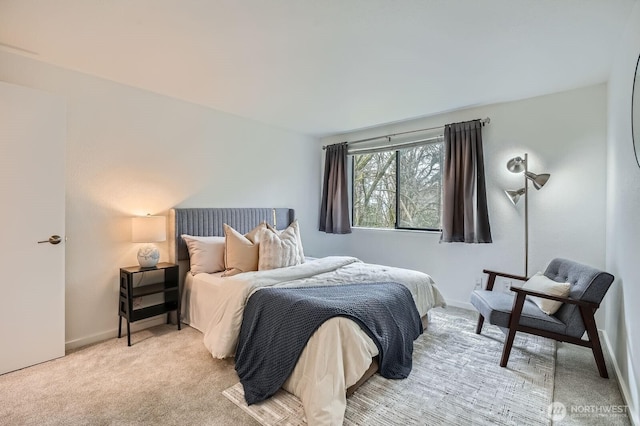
x,y
398,189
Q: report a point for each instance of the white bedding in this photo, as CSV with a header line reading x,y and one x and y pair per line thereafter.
x,y
337,354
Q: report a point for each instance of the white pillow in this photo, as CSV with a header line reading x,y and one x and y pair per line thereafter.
x,y
296,228
540,283
278,249
206,254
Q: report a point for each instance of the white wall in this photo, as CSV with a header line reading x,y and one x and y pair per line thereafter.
x,y
131,152
565,136
623,219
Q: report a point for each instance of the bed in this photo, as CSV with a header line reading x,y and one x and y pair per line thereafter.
x,y
338,357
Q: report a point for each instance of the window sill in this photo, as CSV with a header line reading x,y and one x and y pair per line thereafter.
x,y
411,231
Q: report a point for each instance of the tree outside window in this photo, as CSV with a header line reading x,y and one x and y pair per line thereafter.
x,y
398,189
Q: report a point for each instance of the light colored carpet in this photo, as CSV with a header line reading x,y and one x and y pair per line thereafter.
x,y
455,379
169,378
587,398
166,378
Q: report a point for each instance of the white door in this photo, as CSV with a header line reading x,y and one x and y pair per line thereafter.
x,y
32,143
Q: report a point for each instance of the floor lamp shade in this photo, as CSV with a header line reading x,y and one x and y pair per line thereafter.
x,y
538,180
514,195
148,229
516,165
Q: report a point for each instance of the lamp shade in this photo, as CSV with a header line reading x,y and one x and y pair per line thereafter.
x,y
538,180
514,195
516,165
148,229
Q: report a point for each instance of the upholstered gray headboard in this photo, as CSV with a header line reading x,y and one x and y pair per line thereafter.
x,y
207,222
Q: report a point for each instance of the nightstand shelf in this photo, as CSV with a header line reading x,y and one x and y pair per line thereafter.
x,y
152,311
168,287
152,289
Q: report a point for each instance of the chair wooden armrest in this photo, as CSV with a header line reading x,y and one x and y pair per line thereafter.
x,y
526,292
493,274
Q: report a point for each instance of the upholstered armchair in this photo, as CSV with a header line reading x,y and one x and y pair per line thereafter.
x,y
522,312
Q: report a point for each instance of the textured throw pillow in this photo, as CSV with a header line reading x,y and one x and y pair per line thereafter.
x,y
296,228
278,249
241,251
206,254
540,283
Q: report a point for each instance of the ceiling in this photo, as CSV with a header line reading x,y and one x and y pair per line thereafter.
x,y
326,66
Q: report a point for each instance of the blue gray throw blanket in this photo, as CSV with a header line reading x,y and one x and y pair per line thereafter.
x,y
278,322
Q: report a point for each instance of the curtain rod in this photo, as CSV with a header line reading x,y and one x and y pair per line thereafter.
x,y
391,135
393,147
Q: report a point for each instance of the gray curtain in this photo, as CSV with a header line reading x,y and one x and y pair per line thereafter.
x,y
464,211
334,211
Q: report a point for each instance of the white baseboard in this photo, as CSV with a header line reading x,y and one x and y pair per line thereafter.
x,y
622,384
109,334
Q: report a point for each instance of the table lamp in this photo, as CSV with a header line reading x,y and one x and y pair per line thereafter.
x,y
148,229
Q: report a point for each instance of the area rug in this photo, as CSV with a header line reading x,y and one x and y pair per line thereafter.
x,y
456,379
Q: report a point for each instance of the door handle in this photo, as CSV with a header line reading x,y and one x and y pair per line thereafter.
x,y
54,239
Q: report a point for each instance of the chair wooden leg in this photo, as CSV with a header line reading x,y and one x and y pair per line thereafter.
x,y
514,320
480,322
592,331
508,344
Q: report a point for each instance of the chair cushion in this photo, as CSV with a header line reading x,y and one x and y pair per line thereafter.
x,y
495,307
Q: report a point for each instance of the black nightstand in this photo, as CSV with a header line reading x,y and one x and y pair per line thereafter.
x,y
168,286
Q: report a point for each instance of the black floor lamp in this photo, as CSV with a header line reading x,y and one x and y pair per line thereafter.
x,y
519,165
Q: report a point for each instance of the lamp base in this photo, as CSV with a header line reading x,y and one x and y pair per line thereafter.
x,y
148,256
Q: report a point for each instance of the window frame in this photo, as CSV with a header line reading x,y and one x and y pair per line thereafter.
x,y
395,225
